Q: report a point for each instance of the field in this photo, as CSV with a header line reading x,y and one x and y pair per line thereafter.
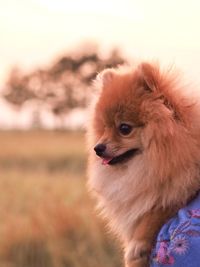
x,y
46,216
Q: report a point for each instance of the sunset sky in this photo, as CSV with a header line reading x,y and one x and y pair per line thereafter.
x,y
34,32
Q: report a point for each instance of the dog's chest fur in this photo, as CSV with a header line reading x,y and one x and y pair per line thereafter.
x,y
123,194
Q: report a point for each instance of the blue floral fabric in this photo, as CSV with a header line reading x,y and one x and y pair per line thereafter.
x,y
178,242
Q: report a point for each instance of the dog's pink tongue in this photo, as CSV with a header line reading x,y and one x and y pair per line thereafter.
x,y
106,160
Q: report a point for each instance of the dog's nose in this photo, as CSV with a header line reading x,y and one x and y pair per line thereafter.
x,y
100,149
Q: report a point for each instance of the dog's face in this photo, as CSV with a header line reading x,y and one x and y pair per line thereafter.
x,y
117,122
129,104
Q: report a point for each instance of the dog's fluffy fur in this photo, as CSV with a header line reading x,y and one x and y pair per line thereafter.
x,y
138,194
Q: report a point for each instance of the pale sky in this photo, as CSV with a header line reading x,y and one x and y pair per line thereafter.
x,y
34,32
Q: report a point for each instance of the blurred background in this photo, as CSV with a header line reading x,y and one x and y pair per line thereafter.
x,y
50,51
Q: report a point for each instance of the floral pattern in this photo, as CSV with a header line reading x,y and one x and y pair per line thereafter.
x,y
180,245
174,240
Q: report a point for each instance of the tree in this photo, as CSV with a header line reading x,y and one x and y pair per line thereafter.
x,y
64,84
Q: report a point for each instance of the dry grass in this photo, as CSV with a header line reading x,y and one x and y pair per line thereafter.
x,y
43,150
47,219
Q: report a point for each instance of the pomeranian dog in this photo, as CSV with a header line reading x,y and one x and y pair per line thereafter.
x,y
145,132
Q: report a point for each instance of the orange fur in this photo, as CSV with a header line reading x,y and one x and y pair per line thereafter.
x,y
165,174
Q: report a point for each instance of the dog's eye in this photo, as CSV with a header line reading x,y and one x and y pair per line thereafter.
x,y
125,129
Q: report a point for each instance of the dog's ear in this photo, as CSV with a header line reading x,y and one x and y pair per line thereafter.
x,y
106,76
149,76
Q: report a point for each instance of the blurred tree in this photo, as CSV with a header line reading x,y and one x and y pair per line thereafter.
x,y
63,85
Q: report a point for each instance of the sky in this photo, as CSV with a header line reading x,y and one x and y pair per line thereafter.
x,y
34,32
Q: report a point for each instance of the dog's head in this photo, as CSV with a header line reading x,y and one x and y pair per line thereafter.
x,y
140,110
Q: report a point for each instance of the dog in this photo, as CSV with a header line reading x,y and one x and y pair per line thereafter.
x,y
145,131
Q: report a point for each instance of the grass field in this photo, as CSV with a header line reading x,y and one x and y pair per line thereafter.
x,y
46,216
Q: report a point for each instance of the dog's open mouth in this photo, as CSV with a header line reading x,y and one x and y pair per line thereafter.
x,y
121,158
